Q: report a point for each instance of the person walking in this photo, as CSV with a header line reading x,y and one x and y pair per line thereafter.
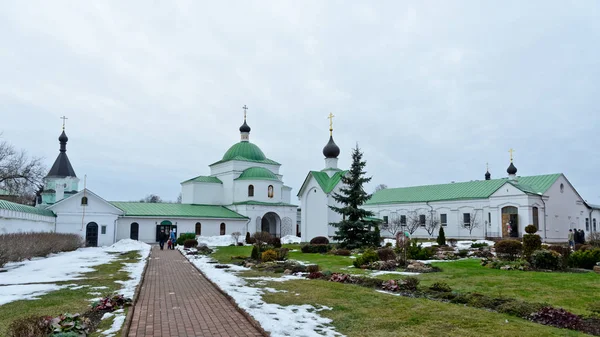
x,y
162,237
571,238
173,239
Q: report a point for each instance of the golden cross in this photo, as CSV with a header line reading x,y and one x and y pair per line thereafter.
x,y
331,123
64,119
511,154
487,166
245,109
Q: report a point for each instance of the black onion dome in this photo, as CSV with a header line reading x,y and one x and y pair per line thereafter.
x,y
63,137
331,150
244,127
511,169
488,176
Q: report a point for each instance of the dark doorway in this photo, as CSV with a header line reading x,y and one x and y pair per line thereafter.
x,y
510,222
165,226
91,235
134,231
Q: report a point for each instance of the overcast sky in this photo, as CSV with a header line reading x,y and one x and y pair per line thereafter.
x,y
430,91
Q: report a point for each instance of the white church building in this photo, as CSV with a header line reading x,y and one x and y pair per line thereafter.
x,y
243,193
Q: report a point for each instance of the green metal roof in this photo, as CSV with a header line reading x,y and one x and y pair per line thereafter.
x,y
176,210
257,173
12,206
326,182
263,203
246,151
480,189
204,179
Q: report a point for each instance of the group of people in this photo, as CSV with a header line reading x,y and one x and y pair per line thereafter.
x,y
170,239
576,236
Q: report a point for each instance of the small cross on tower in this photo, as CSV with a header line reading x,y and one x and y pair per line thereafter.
x,y
511,154
64,118
245,110
331,123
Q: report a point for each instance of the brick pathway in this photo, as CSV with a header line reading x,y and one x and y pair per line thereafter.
x,y
177,301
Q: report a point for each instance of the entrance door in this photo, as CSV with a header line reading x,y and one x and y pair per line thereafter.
x,y
91,235
134,231
166,226
510,222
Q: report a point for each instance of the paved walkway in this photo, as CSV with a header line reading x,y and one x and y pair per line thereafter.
x,y
177,301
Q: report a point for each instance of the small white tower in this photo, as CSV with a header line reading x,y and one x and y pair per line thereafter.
x,y
331,151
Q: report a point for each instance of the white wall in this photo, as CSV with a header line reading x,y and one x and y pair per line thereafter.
x,y
202,193
18,222
260,190
147,226
566,210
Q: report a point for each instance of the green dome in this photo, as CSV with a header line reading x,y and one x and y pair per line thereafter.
x,y
257,173
244,150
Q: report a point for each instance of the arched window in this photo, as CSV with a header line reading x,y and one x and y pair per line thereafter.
x,y
536,221
84,201
198,228
270,191
222,228
251,190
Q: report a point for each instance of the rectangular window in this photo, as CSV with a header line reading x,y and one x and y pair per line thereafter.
x,y
587,224
385,219
467,219
490,219
422,219
403,220
444,219
594,224
103,230
535,218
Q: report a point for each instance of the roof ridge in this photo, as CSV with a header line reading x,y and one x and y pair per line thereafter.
x,y
472,181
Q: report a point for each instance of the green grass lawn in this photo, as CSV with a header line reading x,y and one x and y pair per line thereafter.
x,y
359,312
72,301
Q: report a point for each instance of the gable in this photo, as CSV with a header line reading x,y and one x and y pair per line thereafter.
x,y
95,204
508,189
326,183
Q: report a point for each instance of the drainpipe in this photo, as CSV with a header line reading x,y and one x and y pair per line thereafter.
x,y
115,231
545,215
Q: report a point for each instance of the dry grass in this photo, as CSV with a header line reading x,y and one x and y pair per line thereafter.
x,y
17,247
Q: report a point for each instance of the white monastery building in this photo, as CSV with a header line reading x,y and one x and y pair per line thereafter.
x,y
244,192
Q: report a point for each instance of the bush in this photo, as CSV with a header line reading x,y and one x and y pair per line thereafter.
x,y
282,254
594,239
585,258
546,259
559,318
509,249
416,252
315,275
255,255
312,268
240,244
386,254
440,287
531,243
463,253
319,240
322,249
341,252
236,236
388,244
530,229
17,247
479,245
185,236
441,239
367,257
410,283
248,238
582,247
112,303
190,243
275,242
269,255
519,308
32,326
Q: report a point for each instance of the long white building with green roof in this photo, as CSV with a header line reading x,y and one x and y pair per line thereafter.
x,y
488,208
243,193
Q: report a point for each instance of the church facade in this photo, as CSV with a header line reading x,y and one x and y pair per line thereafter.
x,y
243,193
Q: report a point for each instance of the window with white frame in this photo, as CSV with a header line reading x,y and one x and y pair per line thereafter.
x,y
594,224
467,219
444,219
422,219
385,219
587,224
403,220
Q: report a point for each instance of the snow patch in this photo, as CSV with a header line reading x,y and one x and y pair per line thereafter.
x,y
25,292
293,320
383,272
290,239
216,241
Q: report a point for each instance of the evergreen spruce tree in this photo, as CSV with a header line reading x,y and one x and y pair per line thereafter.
x,y
353,231
441,239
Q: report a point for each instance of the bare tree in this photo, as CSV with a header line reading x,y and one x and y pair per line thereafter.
x,y
151,198
431,223
20,175
394,226
413,221
380,187
471,221
236,237
178,199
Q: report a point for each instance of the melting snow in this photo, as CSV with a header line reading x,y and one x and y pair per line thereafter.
x,y
290,239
